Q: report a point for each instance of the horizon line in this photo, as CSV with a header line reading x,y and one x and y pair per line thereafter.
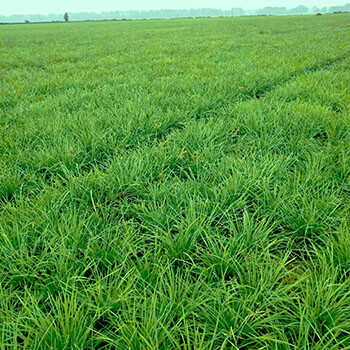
x,y
165,9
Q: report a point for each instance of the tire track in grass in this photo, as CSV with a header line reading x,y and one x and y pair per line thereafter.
x,y
260,93
214,109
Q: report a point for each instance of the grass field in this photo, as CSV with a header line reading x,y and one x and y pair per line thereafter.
x,y
180,184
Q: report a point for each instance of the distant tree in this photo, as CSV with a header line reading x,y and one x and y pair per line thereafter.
x,y
315,9
66,18
345,8
272,11
237,11
298,10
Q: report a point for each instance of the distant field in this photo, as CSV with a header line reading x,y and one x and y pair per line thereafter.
x,y
176,184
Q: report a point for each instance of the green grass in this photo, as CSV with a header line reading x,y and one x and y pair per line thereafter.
x,y
175,184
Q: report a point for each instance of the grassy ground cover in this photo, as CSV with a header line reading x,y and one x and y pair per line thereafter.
x,y
177,184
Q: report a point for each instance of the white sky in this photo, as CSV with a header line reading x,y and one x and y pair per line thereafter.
x,y
8,7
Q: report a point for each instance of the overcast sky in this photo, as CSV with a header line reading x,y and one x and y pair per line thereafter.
x,y
8,7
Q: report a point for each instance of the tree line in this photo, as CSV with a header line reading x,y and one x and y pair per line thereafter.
x,y
166,14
